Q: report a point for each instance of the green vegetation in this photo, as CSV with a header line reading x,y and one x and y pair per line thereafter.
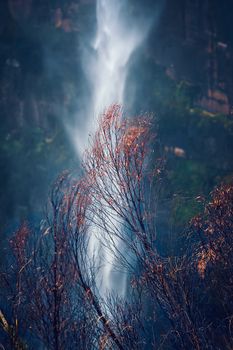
x,y
30,159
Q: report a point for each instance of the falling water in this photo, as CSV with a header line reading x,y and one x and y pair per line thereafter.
x,y
106,65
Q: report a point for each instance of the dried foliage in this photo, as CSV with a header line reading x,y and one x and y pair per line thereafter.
x,y
215,229
52,278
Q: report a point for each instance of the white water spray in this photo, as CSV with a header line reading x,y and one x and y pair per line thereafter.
x,y
118,35
106,64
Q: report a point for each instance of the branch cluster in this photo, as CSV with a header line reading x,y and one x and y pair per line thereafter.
x,y
51,282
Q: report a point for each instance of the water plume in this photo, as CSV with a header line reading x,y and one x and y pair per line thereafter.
x,y
106,61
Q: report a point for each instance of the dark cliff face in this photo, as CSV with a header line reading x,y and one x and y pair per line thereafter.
x,y
192,41
38,52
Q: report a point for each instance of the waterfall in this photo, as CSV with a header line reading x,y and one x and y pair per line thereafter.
x,y
106,63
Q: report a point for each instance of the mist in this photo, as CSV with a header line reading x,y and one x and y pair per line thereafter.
x,y
106,61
